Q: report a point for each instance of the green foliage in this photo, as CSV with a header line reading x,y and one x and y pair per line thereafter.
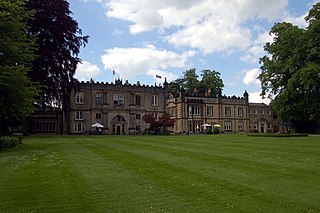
x,y
16,55
59,41
210,83
216,130
9,141
208,130
291,72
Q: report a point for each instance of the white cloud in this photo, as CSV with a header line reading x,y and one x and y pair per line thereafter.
x,y
253,54
256,50
131,62
299,21
250,77
203,24
254,97
86,70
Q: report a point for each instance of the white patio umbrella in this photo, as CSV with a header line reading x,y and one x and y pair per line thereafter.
x,y
97,125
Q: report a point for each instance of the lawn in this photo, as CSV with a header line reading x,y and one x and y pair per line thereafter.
x,y
200,173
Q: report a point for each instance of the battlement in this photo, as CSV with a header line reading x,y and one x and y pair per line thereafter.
x,y
118,83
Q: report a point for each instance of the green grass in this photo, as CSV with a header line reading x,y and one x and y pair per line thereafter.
x,y
207,173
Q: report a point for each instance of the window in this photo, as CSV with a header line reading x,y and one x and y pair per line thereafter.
x,y
118,99
138,116
138,128
154,100
210,111
155,115
138,100
194,110
255,111
227,125
79,127
250,111
98,115
269,112
240,112
79,115
105,98
99,98
79,98
240,125
255,126
262,112
173,112
227,111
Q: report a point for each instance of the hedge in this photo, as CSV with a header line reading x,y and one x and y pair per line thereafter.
x,y
9,141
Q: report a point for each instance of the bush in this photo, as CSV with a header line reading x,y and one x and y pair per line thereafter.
x,y
208,130
9,141
216,130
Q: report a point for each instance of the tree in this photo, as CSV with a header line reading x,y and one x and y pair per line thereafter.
x,y
59,41
211,82
16,54
163,123
191,81
291,72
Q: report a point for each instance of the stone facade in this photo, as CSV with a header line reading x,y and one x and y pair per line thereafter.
x,y
119,107
195,114
261,119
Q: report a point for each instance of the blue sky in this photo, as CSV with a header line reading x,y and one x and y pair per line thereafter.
x,y
140,39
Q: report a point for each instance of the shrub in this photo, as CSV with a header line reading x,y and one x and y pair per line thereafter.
x,y
208,130
216,130
9,141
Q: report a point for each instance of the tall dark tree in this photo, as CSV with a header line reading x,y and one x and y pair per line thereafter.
x,y
59,41
291,72
17,92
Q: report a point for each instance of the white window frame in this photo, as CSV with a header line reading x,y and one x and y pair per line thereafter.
x,y
99,97
228,125
79,127
154,100
118,99
79,98
194,110
155,115
227,111
240,112
210,111
78,115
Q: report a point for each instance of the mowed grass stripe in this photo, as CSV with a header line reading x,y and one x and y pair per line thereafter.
x,y
265,175
188,190
224,173
44,182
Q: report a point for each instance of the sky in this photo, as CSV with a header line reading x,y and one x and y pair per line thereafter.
x,y
139,39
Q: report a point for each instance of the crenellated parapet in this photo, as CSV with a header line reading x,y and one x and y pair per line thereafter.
x,y
120,84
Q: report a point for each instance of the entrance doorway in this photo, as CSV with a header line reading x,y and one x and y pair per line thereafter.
x,y
118,125
262,128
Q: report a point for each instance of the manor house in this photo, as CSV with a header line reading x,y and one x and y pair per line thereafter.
x,y
119,108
